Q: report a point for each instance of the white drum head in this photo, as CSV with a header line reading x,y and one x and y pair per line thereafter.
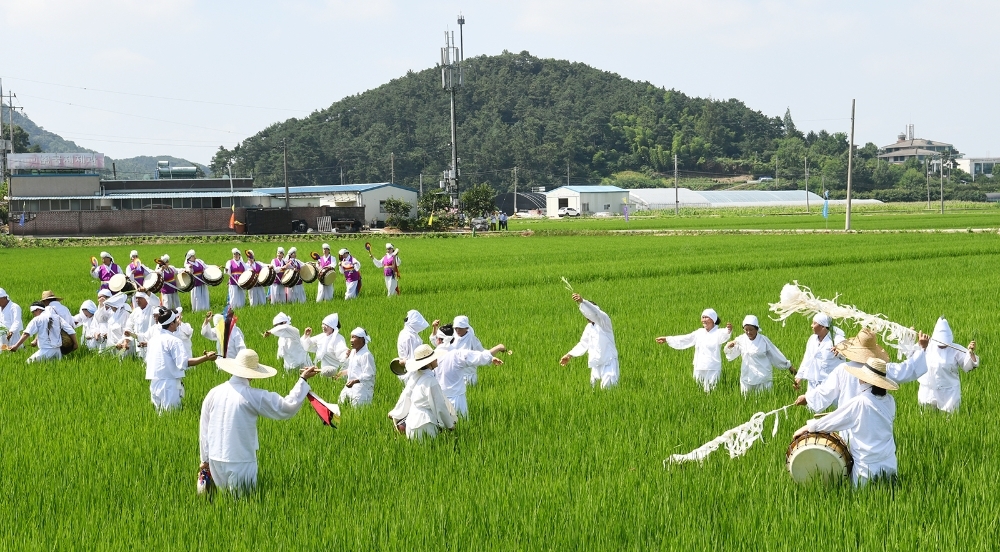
x,y
212,274
117,282
809,461
244,280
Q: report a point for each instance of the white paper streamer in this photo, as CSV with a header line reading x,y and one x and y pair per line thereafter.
x,y
800,299
737,440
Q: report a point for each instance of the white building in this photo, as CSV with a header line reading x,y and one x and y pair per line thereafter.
x,y
979,166
586,199
370,196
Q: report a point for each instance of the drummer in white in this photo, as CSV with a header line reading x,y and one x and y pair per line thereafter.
x,y
199,293
869,419
278,294
296,293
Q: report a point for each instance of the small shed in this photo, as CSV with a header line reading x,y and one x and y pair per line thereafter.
x,y
586,199
370,196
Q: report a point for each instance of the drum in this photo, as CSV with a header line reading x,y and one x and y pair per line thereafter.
x,y
67,346
247,280
397,367
290,277
213,275
308,273
266,276
183,281
822,454
153,282
328,275
119,283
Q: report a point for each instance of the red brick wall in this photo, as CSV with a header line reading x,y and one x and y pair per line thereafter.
x,y
116,223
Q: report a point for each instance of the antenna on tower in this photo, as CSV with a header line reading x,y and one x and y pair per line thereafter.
x,y
451,80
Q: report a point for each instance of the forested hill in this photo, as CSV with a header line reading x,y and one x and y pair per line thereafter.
x,y
514,110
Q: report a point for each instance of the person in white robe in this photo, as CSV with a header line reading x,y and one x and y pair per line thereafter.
x,y
167,361
236,341
200,300
329,346
278,293
117,324
53,304
325,261
101,317
940,387
422,410
840,387
465,338
258,294
707,342
11,323
409,337
360,371
184,332
759,357
351,269
598,343
819,359
868,418
452,367
390,268
48,328
290,348
85,321
227,434
140,321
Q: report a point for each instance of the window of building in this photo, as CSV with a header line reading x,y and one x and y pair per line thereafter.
x,y
217,203
563,202
381,206
32,206
607,206
585,208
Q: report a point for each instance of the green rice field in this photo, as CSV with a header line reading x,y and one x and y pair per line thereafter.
x,y
544,462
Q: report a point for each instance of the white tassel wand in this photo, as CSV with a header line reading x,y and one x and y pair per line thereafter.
x,y
737,440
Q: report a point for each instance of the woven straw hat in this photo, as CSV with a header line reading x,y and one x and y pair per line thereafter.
x,y
246,365
862,347
422,356
48,295
873,372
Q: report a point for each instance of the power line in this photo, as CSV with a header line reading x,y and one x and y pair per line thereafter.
x,y
159,97
133,115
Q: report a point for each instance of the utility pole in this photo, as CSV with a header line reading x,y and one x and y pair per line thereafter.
x,y
392,168
515,190
451,80
567,171
284,161
806,163
927,180
341,176
942,184
421,185
850,170
775,170
677,197
3,167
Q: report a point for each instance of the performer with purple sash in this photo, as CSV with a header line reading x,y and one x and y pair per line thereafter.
x,y
199,293
258,296
351,269
235,268
136,271
296,293
278,293
390,268
105,270
324,293
168,294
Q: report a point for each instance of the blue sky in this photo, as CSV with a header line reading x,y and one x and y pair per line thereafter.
x,y
926,63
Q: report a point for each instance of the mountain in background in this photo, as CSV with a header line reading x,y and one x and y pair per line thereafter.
x,y
550,118
136,168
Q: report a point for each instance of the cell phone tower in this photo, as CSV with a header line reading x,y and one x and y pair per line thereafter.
x,y
451,80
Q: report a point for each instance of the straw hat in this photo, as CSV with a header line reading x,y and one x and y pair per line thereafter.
x,y
246,365
422,356
49,296
862,347
873,372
